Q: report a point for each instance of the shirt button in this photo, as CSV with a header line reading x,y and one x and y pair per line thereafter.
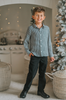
x,y
41,45
41,51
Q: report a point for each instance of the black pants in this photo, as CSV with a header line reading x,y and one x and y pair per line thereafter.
x,y
33,67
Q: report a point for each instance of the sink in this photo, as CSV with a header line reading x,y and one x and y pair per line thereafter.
x,y
26,57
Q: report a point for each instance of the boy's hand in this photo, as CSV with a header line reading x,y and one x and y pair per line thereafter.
x,y
52,59
31,54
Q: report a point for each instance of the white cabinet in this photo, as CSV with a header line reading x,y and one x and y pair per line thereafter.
x,y
14,55
5,56
17,60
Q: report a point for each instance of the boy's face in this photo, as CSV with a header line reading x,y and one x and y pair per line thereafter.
x,y
38,17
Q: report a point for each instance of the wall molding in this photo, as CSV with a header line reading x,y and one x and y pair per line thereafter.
x,y
46,3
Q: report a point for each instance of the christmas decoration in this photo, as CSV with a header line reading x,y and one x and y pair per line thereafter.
x,y
59,46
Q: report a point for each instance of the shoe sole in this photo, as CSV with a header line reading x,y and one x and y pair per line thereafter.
x,y
22,97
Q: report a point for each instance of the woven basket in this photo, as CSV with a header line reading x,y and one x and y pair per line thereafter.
x,y
59,83
5,76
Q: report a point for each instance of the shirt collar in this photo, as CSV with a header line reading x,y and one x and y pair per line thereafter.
x,y
36,26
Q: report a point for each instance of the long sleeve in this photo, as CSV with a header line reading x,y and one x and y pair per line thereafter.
x,y
50,45
26,40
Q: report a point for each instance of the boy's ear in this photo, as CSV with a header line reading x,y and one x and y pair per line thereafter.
x,y
44,17
32,16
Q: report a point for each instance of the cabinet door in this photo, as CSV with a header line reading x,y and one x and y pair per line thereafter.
x,y
17,61
5,56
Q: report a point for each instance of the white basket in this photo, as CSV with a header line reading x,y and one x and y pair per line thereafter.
x,y
59,83
59,87
5,76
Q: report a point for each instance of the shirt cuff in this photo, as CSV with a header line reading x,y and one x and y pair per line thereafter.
x,y
51,55
28,52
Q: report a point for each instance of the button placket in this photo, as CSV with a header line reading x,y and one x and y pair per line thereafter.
x,y
40,43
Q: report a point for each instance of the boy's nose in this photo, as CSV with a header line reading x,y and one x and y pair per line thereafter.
x,y
39,17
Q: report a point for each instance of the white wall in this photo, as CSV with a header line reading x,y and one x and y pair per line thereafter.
x,y
46,3
11,12
54,12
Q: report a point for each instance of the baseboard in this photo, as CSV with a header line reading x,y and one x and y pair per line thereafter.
x,y
21,78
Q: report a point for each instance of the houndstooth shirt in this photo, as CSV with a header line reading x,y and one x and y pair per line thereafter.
x,y
38,41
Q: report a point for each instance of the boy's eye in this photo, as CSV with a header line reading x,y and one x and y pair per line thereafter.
x,y
36,15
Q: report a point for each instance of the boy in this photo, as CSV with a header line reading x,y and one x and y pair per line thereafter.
x,y
40,48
